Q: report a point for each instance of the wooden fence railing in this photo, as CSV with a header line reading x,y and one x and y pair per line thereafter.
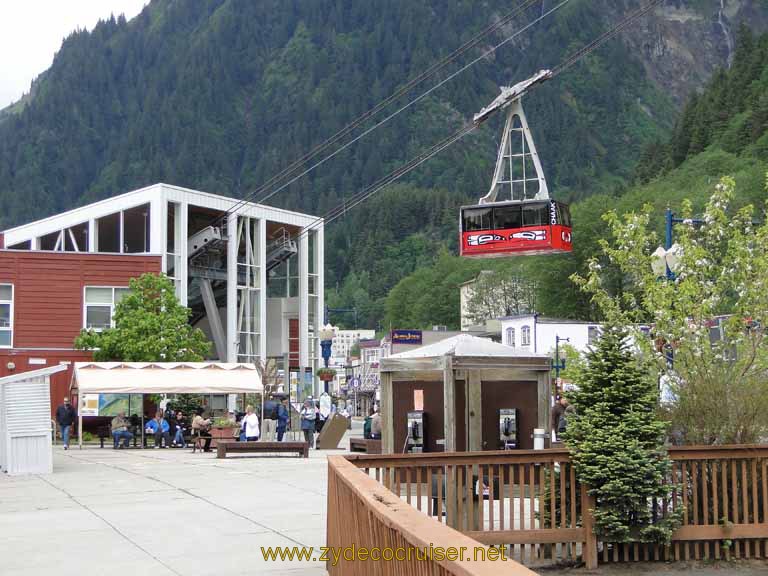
x,y
530,502
364,514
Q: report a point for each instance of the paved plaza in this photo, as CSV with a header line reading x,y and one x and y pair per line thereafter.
x,y
171,512
162,513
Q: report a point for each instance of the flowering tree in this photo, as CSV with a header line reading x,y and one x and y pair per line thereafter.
x,y
709,319
497,293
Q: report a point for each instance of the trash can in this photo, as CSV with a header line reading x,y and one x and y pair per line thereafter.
x,y
539,434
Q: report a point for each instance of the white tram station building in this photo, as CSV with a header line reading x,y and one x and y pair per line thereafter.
x,y
251,274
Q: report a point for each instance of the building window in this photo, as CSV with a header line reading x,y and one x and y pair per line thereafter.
x,y
6,315
511,337
100,302
525,336
593,333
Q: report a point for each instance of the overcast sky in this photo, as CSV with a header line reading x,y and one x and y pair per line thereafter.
x,y
31,32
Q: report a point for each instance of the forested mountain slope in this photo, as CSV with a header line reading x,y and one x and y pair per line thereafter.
x,y
722,131
221,94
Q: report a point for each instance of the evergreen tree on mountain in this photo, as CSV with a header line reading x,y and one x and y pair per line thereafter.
x,y
220,95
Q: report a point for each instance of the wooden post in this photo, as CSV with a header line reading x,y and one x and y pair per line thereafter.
x,y
387,415
475,411
449,405
590,540
543,394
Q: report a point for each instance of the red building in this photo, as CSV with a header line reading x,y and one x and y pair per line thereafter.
x,y
46,298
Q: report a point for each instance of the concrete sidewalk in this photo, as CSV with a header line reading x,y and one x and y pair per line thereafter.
x,y
162,512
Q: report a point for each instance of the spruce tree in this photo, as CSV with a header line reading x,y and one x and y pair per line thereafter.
x,y
616,443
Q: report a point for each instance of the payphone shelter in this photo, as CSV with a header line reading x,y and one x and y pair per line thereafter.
x,y
469,388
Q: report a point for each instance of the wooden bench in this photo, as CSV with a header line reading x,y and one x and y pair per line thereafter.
x,y
367,445
225,446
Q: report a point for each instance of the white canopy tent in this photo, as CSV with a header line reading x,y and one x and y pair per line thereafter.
x,y
163,378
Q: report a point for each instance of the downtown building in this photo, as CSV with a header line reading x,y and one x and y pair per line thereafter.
x,y
252,276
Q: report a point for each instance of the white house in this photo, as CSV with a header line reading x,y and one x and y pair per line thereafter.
x,y
345,340
537,334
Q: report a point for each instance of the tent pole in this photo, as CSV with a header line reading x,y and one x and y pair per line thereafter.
x,y
142,421
79,423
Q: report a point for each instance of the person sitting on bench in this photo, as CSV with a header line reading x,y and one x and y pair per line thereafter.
x,y
120,429
181,427
200,427
159,428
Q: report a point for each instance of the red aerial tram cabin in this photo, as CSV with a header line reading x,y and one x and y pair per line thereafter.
x,y
527,222
515,228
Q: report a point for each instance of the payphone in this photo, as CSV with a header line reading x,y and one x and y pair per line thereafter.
x,y
415,440
508,428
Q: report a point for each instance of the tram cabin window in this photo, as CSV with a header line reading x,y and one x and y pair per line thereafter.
x,y
536,214
477,219
563,215
507,217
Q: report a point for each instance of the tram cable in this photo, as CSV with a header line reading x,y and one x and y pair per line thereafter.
x,y
419,79
369,191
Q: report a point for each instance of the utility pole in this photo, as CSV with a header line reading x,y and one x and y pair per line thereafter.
x,y
558,364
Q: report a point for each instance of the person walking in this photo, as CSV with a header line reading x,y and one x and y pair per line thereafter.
x,y
308,422
251,421
65,418
567,416
557,412
283,416
269,425
376,424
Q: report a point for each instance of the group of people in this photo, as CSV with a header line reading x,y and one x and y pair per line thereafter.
x,y
169,429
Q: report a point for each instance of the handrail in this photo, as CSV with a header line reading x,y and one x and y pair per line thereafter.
x,y
718,452
458,458
676,453
711,483
384,519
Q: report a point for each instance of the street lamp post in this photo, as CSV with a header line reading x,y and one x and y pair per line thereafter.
x,y
558,364
665,261
326,343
